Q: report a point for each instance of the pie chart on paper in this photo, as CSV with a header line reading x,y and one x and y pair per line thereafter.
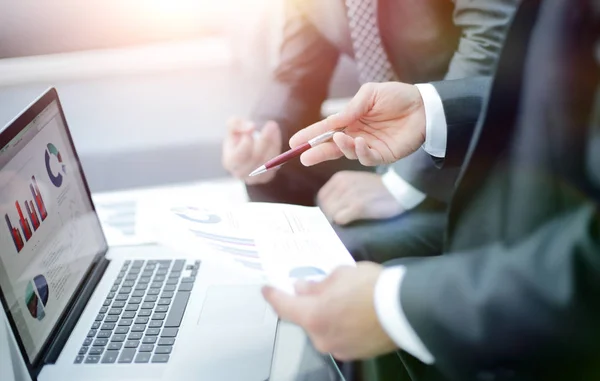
x,y
306,272
36,297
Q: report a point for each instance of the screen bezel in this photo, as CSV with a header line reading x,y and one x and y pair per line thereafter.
x,y
7,134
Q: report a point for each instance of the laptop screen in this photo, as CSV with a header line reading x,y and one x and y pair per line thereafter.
x,y
49,232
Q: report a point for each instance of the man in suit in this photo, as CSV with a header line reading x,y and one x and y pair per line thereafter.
x,y
514,296
415,41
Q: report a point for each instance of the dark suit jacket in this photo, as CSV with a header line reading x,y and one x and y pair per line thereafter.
x,y
426,40
516,294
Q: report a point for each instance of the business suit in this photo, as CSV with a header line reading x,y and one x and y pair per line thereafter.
x,y
515,294
424,42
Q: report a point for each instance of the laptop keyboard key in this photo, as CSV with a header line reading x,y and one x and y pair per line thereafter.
x,y
164,302
135,300
92,333
118,304
122,297
87,342
151,298
108,326
132,307
141,320
127,355
153,291
78,360
96,351
177,309
161,309
132,343
135,336
110,357
146,312
186,287
138,328
146,348
159,316
169,332
170,287
142,357
128,315
164,350
83,350
115,311
104,334
149,340
92,359
125,322
122,330
138,293
160,358
166,341
152,332
155,324
111,319
137,264
100,342
147,306
118,338
114,346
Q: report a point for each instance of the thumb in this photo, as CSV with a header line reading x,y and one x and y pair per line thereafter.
x,y
308,287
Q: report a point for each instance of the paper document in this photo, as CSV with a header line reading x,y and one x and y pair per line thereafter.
x,y
283,242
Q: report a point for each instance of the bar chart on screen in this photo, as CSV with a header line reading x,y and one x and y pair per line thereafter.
x,y
22,231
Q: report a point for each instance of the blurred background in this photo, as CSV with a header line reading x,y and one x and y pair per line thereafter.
x,y
147,85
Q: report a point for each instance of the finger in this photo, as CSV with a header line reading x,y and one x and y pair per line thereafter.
x,y
329,188
240,157
346,144
268,142
238,125
288,307
321,153
346,215
366,155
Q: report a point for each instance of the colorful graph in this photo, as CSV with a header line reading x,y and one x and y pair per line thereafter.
x,y
36,297
36,216
306,272
241,249
58,178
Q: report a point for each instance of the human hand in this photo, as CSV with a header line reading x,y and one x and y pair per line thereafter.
x,y
338,314
354,195
384,123
243,152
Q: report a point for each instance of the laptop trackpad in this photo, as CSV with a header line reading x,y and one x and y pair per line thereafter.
x,y
233,305
233,340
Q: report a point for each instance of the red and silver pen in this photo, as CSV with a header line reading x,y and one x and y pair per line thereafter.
x,y
294,152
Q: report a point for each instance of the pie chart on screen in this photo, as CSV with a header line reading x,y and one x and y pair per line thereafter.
x,y
36,297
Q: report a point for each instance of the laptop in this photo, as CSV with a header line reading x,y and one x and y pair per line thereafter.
x,y
80,310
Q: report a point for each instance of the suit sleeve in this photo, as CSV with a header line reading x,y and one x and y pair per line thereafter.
x,y
463,101
483,25
300,82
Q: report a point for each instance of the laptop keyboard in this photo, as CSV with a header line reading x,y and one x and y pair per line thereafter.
x,y
140,318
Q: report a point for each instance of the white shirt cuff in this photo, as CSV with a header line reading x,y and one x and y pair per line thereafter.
x,y
391,316
436,128
407,196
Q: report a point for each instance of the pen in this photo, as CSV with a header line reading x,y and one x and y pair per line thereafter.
x,y
294,152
